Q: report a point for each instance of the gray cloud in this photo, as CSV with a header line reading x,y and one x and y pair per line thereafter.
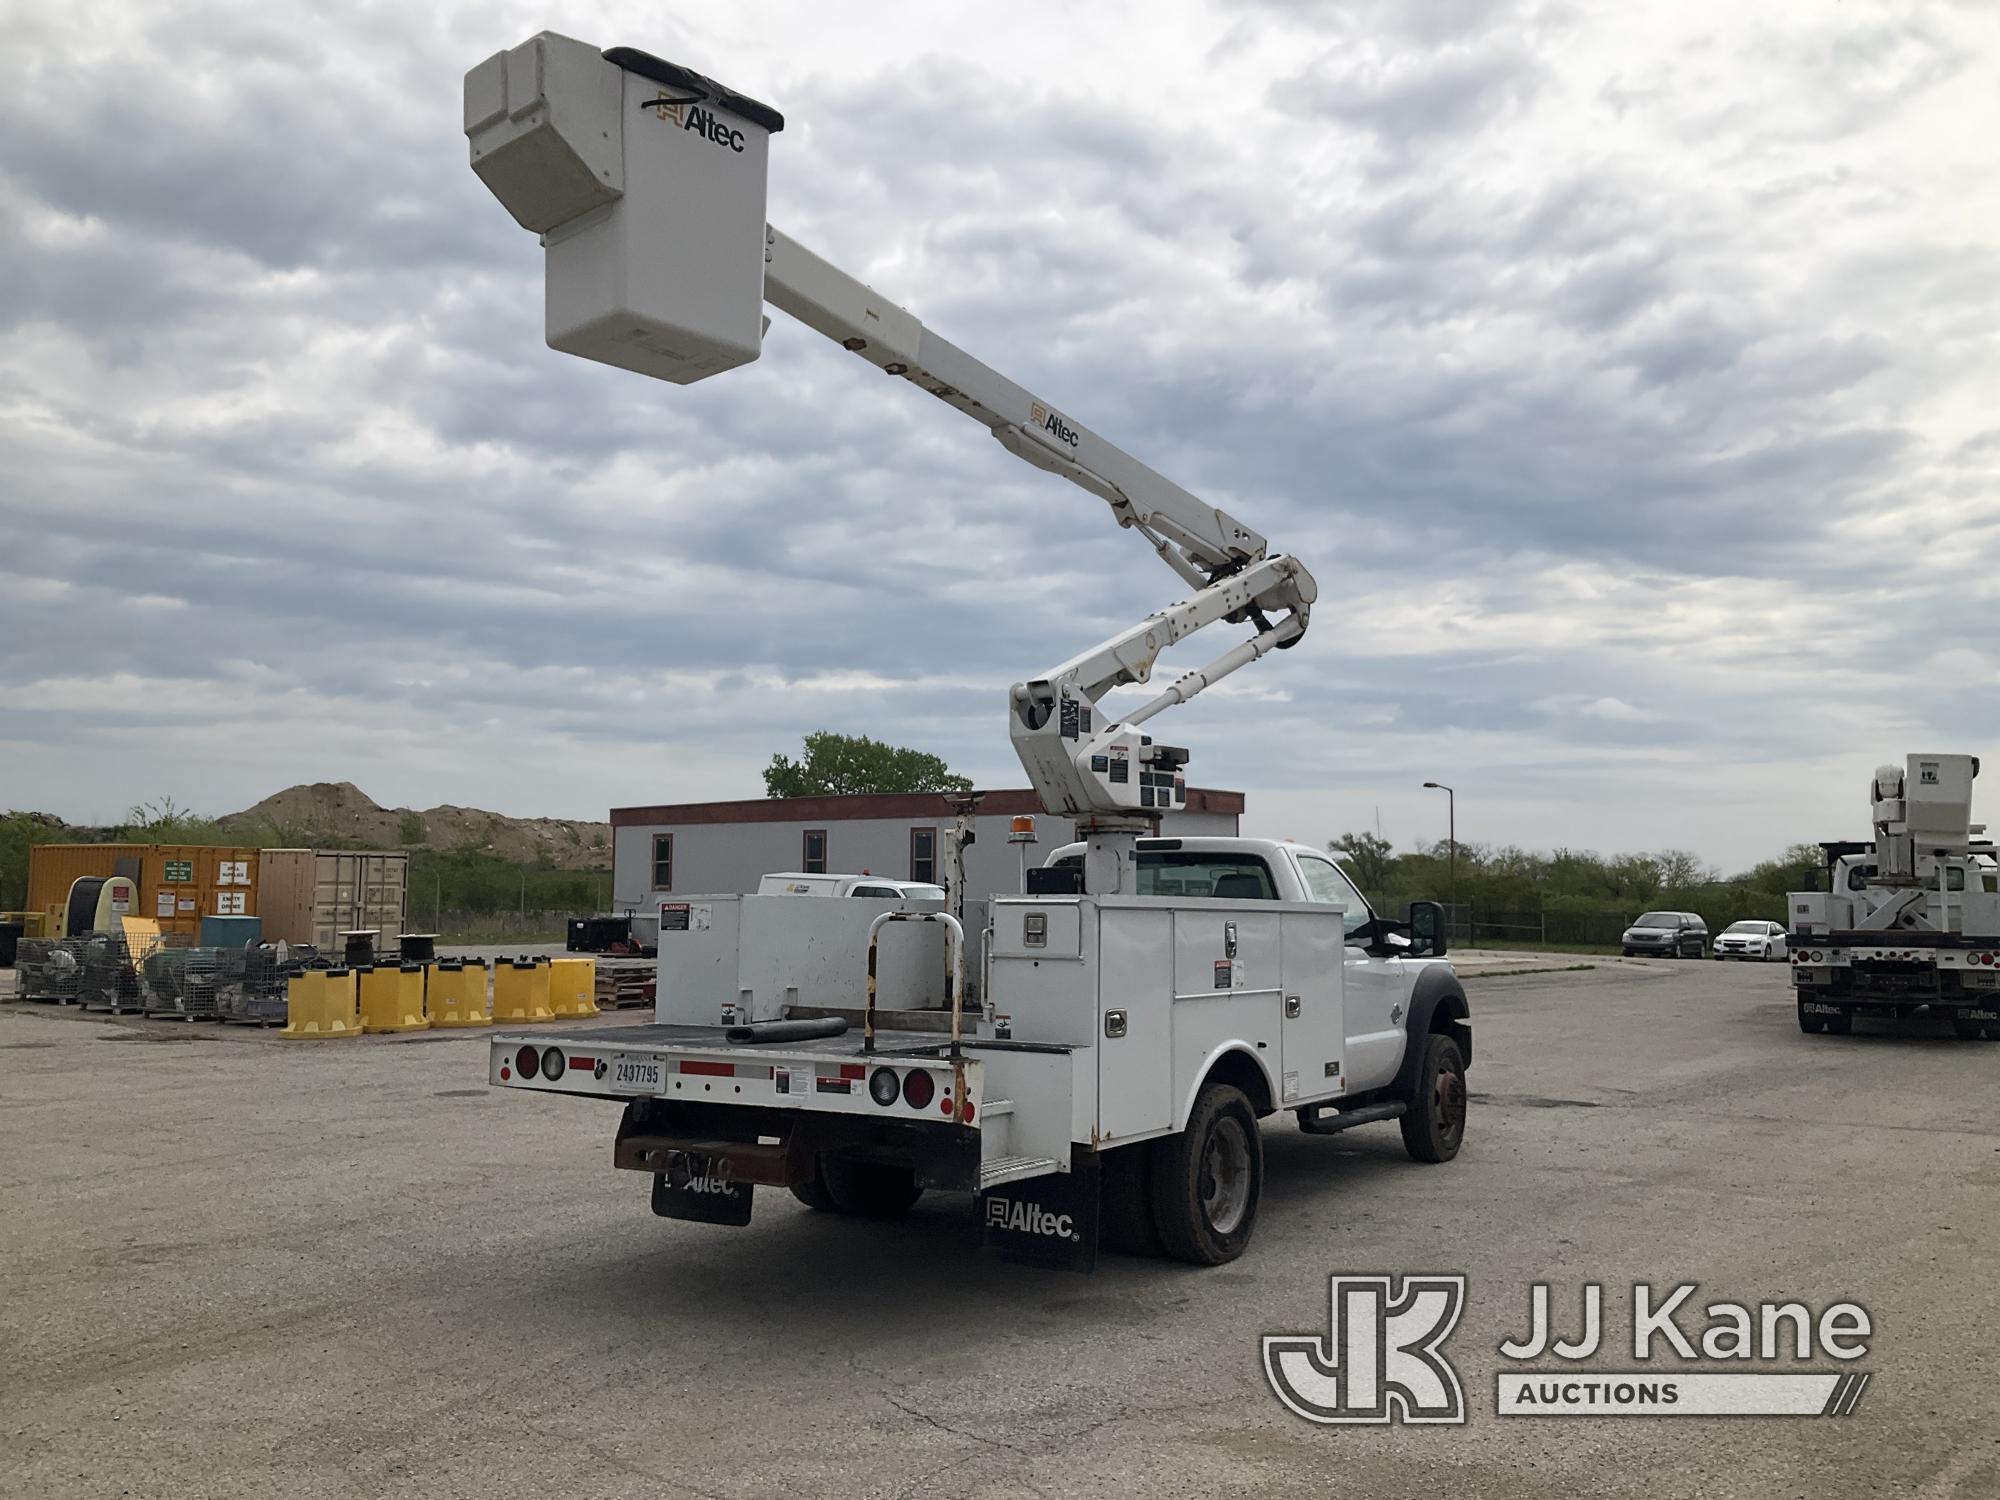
x,y
1608,408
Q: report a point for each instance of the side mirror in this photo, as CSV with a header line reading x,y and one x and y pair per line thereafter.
x,y
1427,932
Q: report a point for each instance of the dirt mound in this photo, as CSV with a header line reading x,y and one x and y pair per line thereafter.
x,y
330,811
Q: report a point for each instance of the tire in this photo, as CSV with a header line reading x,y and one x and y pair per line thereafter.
x,y
813,1194
869,1190
1434,1127
1967,1030
1839,1025
1207,1181
1810,1025
1125,1205
1625,952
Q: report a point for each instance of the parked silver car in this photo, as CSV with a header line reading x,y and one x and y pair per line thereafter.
x,y
1666,934
1759,940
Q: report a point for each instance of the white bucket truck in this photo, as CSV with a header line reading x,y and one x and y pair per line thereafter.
x,y
1147,1001
1911,918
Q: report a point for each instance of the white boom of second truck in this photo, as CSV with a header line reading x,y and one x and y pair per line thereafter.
x,y
1147,1000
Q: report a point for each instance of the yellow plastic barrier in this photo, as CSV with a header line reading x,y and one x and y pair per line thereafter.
x,y
321,1003
573,986
521,991
457,994
392,998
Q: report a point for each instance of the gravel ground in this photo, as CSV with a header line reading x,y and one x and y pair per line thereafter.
x,y
240,1267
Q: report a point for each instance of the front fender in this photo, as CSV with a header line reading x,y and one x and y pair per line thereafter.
x,y
1437,1003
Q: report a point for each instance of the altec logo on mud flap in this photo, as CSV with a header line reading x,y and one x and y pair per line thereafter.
x,y
690,115
1028,1218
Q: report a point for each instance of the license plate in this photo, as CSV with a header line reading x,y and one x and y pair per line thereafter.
x,y
635,1072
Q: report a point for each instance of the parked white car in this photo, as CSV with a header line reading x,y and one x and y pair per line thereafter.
x,y
1759,940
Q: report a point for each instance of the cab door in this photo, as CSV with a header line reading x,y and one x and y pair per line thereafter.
x,y
1375,989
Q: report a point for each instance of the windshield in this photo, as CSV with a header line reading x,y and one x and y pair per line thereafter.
x,y
1756,927
1659,919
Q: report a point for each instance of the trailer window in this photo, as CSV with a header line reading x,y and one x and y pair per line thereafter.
x,y
815,851
663,861
923,855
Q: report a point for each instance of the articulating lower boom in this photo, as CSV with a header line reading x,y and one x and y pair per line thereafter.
x,y
646,183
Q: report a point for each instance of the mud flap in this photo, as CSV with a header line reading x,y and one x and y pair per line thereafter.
x,y
1045,1221
1986,1013
691,1189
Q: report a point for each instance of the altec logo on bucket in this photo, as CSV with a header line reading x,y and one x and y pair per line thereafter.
x,y
1382,1359
689,114
1028,1218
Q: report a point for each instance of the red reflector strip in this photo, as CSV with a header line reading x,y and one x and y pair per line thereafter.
x,y
855,1071
710,1069
834,1085
582,1062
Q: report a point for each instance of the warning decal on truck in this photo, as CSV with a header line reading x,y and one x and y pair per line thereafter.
x,y
674,918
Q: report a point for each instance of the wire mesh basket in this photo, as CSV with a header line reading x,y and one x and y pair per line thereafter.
x,y
110,979
48,969
253,984
179,980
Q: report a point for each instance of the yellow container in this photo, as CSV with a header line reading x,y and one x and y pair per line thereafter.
x,y
320,1004
573,986
392,998
457,994
521,990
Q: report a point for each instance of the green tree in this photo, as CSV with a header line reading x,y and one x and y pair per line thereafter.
x,y
845,764
410,829
1368,859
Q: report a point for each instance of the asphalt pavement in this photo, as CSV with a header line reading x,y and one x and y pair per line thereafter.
x,y
241,1267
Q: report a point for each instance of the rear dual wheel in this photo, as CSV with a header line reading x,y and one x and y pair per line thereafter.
x,y
863,1189
1207,1181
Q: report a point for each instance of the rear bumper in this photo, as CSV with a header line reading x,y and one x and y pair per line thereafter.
x,y
695,1065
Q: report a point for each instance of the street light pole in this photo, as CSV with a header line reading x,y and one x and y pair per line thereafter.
x,y
1451,824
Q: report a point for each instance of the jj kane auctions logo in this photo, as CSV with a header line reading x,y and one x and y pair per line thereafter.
x,y
1382,1357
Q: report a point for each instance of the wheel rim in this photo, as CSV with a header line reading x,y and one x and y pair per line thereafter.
x,y
1225,1176
1448,1103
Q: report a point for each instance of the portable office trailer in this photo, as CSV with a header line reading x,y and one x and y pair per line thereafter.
x,y
314,895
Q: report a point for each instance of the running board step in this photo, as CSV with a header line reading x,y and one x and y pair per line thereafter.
x,y
1013,1169
1323,1119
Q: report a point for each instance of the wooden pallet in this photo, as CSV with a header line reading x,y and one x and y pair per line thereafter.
x,y
620,985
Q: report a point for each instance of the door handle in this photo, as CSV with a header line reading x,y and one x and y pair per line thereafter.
x,y
1114,1023
1291,1005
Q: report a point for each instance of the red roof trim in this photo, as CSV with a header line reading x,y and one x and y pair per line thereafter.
x,y
913,806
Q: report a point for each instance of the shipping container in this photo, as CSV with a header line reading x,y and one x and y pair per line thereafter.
x,y
179,884
314,895
54,868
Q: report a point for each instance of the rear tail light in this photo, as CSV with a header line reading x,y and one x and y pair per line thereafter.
x,y
919,1088
527,1062
884,1086
553,1064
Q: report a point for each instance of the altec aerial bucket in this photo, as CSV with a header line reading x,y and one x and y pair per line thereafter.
x,y
646,184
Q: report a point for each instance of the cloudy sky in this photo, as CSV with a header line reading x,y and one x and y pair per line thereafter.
x,y
1626,374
